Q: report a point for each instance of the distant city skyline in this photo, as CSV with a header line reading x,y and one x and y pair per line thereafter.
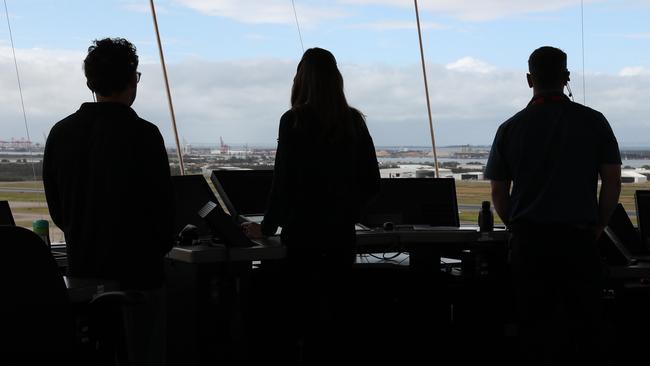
x,y
231,63
235,145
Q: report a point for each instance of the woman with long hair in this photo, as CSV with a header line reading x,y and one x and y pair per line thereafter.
x,y
325,172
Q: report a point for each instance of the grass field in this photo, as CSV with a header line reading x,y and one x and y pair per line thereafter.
x,y
29,205
27,184
22,196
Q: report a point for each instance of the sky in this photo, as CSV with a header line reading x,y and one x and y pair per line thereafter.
x,y
231,63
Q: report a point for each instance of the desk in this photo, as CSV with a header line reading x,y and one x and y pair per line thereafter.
x,y
368,241
269,248
638,270
209,284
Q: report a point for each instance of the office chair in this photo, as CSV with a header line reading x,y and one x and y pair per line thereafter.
x,y
109,327
35,313
37,320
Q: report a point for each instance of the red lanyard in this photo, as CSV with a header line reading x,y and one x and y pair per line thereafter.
x,y
547,98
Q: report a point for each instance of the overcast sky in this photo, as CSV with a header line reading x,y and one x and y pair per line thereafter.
x,y
231,63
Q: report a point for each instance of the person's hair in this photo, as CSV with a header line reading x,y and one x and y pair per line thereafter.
x,y
318,85
109,65
547,65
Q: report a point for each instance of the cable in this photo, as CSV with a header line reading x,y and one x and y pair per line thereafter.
x,y
426,89
390,258
582,24
20,90
407,257
297,25
169,95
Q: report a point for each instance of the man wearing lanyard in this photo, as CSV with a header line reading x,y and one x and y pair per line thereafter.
x,y
551,154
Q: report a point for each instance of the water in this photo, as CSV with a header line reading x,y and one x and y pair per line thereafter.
x,y
634,163
428,160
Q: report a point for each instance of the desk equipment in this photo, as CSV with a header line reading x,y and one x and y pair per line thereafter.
x,y
413,201
196,206
189,235
223,226
6,218
642,203
191,192
244,192
485,217
42,229
620,243
621,224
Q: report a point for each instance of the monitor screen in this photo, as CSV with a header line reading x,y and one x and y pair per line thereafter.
x,y
414,201
244,192
642,201
191,193
6,218
621,225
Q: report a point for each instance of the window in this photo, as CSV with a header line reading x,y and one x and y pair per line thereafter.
x,y
231,64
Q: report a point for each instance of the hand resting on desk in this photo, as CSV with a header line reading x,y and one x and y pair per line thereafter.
x,y
252,230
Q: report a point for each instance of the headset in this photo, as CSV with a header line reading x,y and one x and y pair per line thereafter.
x,y
568,88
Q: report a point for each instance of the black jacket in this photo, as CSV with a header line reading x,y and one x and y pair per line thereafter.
x,y
108,187
319,186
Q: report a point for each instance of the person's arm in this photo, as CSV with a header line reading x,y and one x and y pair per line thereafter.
x,y
501,199
610,190
161,192
369,177
50,183
498,171
609,169
277,205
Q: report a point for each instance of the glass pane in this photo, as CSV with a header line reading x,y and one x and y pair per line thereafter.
x,y
231,66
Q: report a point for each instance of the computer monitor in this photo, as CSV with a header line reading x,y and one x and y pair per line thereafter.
x,y
642,202
624,229
191,193
413,201
243,192
613,250
6,218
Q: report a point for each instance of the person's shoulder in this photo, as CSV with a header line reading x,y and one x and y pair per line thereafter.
x,y
288,116
69,121
588,115
146,124
587,110
149,130
358,119
515,119
291,118
357,116
65,122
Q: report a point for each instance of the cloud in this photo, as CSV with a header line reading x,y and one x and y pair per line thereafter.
x,y
243,100
265,11
638,35
634,71
389,25
469,64
478,10
140,7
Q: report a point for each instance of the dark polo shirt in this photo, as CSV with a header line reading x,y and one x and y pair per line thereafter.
x,y
108,187
552,151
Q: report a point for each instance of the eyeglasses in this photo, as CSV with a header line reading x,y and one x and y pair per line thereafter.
x,y
137,76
